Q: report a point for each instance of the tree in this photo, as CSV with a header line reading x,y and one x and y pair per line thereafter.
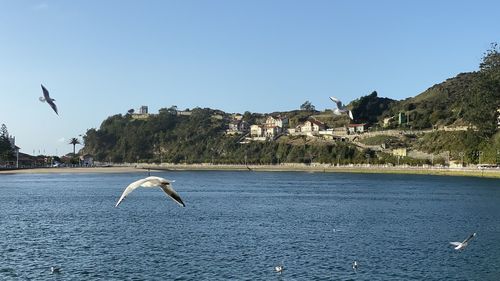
x,y
172,110
369,108
74,142
6,149
4,132
131,111
484,98
307,106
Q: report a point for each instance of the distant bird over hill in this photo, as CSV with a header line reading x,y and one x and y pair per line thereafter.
x,y
341,108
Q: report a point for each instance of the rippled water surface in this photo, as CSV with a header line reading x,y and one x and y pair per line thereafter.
x,y
238,225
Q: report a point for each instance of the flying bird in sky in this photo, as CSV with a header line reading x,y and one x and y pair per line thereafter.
x,y
164,184
48,99
341,108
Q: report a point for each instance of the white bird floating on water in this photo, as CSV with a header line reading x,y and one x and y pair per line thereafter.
x,y
55,269
355,266
48,99
164,184
341,108
463,244
279,268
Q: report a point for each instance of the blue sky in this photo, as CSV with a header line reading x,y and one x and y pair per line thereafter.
x,y
100,58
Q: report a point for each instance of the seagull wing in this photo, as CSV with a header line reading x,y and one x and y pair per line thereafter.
x,y
337,101
171,192
53,105
129,189
45,93
456,243
468,238
48,99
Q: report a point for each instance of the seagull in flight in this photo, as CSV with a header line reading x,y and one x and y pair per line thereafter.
x,y
164,184
48,99
341,108
463,244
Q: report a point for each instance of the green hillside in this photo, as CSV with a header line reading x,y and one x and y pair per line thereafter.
x,y
469,100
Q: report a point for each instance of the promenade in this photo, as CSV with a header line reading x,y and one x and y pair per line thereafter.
x,y
315,168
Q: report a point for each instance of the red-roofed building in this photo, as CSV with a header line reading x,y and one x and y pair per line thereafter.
x,y
356,128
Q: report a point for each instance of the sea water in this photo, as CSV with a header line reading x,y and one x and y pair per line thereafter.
x,y
239,225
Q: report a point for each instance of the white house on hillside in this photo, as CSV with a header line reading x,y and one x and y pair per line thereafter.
x,y
356,128
238,126
142,113
256,130
312,126
281,122
271,128
271,131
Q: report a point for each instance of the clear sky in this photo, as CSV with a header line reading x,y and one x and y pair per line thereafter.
x,y
100,58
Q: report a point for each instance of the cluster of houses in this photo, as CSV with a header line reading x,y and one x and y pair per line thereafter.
x,y
276,126
273,126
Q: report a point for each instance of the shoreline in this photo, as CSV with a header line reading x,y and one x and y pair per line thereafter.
x,y
319,168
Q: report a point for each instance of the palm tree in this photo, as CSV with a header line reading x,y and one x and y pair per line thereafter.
x,y
74,142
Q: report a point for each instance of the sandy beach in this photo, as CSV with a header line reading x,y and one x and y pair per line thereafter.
x,y
134,168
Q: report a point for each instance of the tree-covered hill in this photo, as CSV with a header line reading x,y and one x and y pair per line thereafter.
x,y
469,99
443,104
200,138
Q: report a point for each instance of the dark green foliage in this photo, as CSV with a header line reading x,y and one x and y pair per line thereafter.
x,y
74,142
307,106
468,146
6,149
200,138
484,97
163,137
469,99
442,104
369,109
